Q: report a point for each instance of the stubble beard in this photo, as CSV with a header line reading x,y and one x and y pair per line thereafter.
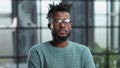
x,y
58,38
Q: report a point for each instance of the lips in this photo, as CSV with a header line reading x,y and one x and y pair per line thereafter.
x,y
62,31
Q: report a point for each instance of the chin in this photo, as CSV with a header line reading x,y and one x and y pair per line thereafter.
x,y
60,37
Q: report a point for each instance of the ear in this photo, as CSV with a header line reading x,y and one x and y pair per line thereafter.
x,y
50,26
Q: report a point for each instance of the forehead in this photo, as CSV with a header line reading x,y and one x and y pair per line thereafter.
x,y
61,14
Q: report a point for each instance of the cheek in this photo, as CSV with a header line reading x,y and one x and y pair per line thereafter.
x,y
55,28
69,27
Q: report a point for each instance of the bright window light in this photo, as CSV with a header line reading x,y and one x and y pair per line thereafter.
x,y
5,6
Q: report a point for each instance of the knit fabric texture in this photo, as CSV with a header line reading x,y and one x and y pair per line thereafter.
x,y
74,55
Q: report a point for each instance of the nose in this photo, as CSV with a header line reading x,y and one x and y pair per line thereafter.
x,y
62,25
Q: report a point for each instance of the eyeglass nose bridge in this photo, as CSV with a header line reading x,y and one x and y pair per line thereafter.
x,y
63,21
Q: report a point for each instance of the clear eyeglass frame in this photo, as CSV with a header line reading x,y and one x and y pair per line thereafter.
x,y
58,21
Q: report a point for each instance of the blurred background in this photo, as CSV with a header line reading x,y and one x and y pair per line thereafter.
x,y
23,23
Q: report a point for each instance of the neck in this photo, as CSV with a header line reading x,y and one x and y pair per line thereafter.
x,y
59,44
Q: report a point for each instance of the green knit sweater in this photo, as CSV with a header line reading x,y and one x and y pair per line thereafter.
x,y
72,56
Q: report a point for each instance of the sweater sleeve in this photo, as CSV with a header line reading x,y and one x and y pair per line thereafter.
x,y
33,59
89,62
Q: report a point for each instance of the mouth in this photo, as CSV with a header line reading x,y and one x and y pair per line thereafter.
x,y
62,32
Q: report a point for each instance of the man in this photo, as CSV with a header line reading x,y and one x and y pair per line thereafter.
x,y
60,52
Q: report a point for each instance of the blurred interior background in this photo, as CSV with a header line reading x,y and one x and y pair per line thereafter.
x,y
96,24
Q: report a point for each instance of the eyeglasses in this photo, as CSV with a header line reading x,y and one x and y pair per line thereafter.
x,y
58,21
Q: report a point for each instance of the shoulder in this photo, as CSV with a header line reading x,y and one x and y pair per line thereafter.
x,y
74,44
39,46
78,46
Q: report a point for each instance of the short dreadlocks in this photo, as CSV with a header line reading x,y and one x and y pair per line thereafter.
x,y
59,7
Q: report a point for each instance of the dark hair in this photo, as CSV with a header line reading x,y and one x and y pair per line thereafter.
x,y
58,7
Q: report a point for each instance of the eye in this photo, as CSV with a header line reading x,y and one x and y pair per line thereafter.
x,y
57,21
67,20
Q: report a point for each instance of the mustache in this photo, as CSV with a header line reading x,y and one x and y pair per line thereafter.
x,y
58,38
61,30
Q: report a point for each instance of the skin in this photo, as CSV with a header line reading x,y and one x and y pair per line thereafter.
x,y
61,30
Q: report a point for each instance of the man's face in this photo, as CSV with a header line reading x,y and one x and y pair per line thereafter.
x,y
61,26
